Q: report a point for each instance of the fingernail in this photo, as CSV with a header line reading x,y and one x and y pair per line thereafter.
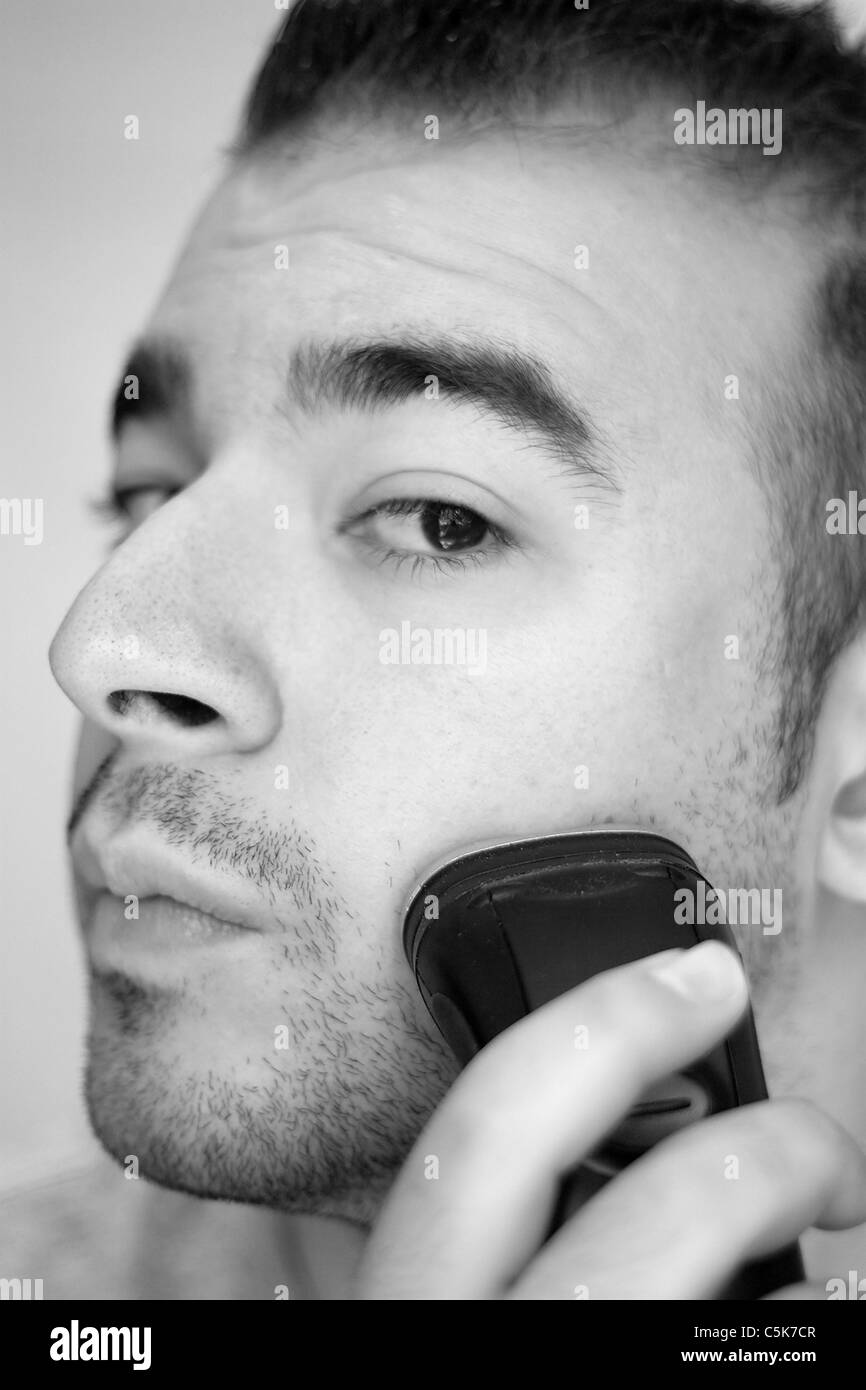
x,y
708,972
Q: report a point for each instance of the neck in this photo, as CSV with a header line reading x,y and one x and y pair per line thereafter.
x,y
813,1039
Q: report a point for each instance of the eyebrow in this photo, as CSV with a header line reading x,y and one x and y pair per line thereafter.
x,y
155,384
512,386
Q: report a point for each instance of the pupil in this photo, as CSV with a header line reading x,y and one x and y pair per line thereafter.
x,y
451,527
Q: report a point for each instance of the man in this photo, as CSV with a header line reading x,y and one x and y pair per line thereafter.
x,y
542,325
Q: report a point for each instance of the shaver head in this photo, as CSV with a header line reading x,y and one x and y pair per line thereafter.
x,y
500,930
564,877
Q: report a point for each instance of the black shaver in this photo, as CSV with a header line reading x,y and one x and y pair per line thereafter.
x,y
502,929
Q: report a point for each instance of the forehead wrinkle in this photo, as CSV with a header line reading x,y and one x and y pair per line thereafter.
x,y
355,234
323,185
543,308
546,308
483,276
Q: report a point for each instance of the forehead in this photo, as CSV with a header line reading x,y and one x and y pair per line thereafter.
x,y
636,277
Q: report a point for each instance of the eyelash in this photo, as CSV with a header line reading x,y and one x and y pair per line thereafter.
x,y
106,507
439,564
112,508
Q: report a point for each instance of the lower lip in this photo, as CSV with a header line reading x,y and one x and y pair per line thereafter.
x,y
163,928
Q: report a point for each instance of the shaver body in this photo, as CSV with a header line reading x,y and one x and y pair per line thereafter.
x,y
501,930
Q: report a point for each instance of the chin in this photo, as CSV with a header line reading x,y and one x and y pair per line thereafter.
x,y
304,1139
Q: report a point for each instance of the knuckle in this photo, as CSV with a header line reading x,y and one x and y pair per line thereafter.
x,y
781,1145
801,1115
764,1138
798,1134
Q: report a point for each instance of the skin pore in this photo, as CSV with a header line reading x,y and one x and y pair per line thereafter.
x,y
605,645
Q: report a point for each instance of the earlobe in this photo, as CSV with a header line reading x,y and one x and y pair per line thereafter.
x,y
840,756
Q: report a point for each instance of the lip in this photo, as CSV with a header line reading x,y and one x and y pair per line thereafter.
x,y
135,862
162,935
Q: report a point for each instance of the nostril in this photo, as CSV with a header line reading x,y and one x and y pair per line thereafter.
x,y
148,705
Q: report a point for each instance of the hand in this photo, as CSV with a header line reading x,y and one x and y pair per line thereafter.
x,y
530,1106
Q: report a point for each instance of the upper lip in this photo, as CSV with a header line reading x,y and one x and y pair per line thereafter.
x,y
134,861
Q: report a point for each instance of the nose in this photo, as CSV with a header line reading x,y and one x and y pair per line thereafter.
x,y
144,707
158,651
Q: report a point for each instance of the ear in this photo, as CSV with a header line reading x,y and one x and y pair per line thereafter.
x,y
838,778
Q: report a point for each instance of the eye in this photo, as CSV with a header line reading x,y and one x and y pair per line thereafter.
x,y
428,532
128,506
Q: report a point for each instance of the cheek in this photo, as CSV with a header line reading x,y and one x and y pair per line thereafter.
x,y
600,711
426,761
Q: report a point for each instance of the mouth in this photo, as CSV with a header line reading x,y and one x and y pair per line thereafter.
x,y
139,897
153,934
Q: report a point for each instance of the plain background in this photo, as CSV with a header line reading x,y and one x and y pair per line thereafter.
x,y
89,226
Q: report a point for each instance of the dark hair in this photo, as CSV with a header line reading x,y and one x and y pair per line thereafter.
x,y
488,60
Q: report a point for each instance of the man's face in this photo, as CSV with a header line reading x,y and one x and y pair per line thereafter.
x,y
300,781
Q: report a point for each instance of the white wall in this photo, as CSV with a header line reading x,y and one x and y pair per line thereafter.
x,y
89,224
